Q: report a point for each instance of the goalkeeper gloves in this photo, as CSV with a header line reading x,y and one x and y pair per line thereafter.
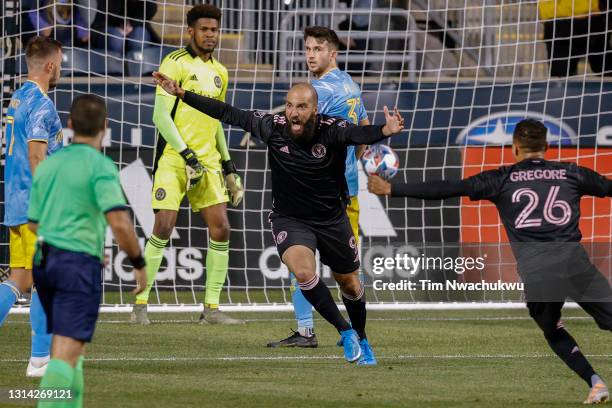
x,y
195,170
233,182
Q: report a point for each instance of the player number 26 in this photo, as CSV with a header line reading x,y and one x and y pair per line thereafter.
x,y
562,207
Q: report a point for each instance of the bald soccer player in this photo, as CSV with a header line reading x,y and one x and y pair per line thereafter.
x,y
307,154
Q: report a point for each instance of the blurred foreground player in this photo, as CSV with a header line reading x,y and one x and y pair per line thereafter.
x,y
307,154
338,96
33,132
539,204
75,193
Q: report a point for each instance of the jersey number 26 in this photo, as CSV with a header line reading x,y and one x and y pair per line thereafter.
x,y
551,203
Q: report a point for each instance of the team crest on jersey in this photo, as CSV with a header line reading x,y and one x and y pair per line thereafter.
x,y
160,194
319,150
218,82
59,138
281,237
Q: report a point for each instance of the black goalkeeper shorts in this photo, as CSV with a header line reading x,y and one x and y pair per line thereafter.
x,y
336,243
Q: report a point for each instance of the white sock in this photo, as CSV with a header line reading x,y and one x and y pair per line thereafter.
x,y
306,331
39,361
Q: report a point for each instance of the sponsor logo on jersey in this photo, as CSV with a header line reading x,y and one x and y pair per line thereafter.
x,y
284,149
497,129
160,194
319,150
259,114
218,82
193,77
280,238
353,242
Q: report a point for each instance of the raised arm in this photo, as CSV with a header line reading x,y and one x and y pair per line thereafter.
x,y
247,120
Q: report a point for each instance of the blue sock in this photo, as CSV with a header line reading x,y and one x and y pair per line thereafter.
x,y
41,341
8,297
301,306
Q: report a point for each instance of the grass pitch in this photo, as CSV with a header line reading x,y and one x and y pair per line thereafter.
x,y
432,359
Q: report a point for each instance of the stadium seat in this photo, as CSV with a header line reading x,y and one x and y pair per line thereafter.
x,y
83,62
141,63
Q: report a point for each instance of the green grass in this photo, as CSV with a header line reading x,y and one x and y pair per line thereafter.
x,y
428,359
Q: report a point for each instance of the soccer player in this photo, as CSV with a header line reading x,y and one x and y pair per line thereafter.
x,y
33,131
192,158
539,204
338,96
75,193
307,154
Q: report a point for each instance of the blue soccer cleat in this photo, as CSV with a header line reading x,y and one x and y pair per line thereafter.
x,y
367,355
350,342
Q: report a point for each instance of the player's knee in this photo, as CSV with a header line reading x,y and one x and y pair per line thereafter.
x,y
163,229
303,273
350,286
220,232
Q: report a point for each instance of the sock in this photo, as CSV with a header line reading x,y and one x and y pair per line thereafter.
x,y
301,308
595,379
317,293
41,340
59,376
153,254
305,331
78,384
8,296
217,259
356,309
564,345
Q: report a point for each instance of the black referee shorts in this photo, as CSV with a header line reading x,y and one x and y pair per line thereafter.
x,y
336,243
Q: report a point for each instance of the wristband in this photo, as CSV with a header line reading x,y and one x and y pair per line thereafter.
x,y
228,167
138,262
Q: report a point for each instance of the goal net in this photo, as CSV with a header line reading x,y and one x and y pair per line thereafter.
x,y
462,73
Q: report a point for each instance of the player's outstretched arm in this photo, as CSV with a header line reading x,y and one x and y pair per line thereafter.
x,y
124,233
222,111
431,190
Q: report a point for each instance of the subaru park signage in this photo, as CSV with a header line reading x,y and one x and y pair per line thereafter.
x,y
497,129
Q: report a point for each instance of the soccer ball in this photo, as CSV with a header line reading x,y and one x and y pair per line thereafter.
x,y
380,160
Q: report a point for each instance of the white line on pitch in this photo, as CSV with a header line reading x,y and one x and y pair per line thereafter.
x,y
374,319
301,358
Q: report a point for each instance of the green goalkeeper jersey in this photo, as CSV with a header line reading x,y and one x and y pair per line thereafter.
x,y
71,192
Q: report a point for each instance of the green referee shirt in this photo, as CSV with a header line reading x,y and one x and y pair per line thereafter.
x,y
71,192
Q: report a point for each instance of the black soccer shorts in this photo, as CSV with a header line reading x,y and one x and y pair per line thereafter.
x,y
336,243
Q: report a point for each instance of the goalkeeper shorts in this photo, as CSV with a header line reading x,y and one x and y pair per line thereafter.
x,y
22,244
170,184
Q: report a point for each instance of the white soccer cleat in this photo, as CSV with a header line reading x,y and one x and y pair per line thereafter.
x,y
36,372
599,394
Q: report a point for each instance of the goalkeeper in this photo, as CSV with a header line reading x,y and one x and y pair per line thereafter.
x,y
192,158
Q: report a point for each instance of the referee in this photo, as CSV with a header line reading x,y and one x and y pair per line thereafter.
x,y
75,193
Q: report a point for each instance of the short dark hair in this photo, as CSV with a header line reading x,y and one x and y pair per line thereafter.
x,y
530,135
323,34
41,48
203,11
88,115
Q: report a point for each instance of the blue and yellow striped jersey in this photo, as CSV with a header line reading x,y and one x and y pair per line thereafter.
x,y
31,116
340,96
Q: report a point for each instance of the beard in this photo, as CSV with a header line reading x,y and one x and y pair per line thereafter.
x,y
53,81
203,50
307,133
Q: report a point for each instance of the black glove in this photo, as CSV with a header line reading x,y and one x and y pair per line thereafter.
x,y
195,170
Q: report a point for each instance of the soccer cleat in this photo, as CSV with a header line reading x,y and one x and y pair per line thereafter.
x,y
215,316
296,340
36,372
367,355
139,315
350,342
599,394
